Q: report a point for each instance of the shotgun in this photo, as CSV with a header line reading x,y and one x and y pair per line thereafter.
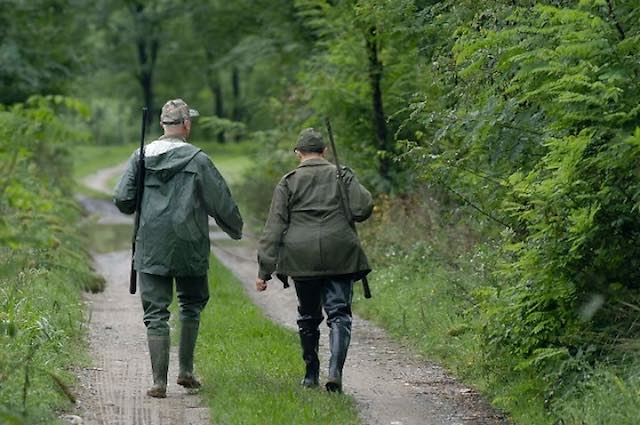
x,y
133,276
344,198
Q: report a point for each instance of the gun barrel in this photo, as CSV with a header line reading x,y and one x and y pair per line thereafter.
x,y
133,276
333,143
344,197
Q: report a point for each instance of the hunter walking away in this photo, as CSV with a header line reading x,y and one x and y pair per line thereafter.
x,y
309,236
182,188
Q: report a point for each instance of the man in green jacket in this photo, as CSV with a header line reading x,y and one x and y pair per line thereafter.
x,y
182,188
308,237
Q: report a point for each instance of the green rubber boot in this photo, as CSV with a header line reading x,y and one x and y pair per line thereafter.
x,y
159,352
188,337
339,338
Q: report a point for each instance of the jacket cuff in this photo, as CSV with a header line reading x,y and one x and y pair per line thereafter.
x,y
264,276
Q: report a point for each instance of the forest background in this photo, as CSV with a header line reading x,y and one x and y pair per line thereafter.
x,y
500,138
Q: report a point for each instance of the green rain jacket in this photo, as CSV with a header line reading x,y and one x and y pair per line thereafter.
x,y
307,234
181,188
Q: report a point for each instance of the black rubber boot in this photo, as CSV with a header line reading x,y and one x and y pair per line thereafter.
x,y
188,337
339,338
159,352
309,340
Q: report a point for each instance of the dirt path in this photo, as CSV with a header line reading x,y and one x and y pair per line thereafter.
x,y
99,181
391,384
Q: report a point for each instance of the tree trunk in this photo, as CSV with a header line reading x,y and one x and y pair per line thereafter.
x,y
378,117
235,83
213,77
147,45
218,105
237,109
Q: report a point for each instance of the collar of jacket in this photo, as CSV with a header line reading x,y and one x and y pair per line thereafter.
x,y
313,162
165,137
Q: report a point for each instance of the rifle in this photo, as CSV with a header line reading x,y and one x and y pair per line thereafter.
x,y
133,276
344,198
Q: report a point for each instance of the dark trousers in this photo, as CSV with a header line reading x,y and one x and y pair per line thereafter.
x,y
334,293
156,293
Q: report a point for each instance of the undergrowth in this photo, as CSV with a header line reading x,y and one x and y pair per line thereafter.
x,y
43,263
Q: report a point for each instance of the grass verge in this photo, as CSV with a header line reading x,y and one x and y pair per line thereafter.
x,y
252,367
42,322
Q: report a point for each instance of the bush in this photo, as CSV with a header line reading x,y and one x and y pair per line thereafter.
x,y
43,264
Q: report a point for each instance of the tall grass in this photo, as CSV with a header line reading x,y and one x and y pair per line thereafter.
x,y
43,262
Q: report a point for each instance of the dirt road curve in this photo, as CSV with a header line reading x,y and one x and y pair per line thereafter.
x,y
391,385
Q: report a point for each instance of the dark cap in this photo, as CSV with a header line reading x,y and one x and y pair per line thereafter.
x,y
310,140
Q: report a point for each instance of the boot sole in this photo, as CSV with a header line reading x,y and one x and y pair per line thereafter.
x,y
333,387
157,394
310,384
189,383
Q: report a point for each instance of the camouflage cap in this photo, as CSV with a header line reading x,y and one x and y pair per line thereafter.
x,y
310,140
176,111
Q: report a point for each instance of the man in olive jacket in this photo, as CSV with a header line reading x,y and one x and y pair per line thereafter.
x,y
308,237
182,188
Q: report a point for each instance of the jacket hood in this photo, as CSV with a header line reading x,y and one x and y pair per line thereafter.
x,y
168,156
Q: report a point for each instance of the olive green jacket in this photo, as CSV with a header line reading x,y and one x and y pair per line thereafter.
x,y
181,188
307,234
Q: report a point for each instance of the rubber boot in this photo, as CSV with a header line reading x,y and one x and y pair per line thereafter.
x,y
309,340
339,338
159,352
188,337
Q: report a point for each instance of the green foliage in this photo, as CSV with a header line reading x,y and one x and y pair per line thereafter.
x,y
35,169
541,136
605,396
573,209
43,264
27,67
235,130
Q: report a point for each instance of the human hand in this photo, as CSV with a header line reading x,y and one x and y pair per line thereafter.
x,y
261,285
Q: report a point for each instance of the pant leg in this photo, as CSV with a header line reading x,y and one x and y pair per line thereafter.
x,y
156,293
337,296
193,296
309,294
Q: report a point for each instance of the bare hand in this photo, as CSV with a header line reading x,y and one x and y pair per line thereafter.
x,y
261,285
